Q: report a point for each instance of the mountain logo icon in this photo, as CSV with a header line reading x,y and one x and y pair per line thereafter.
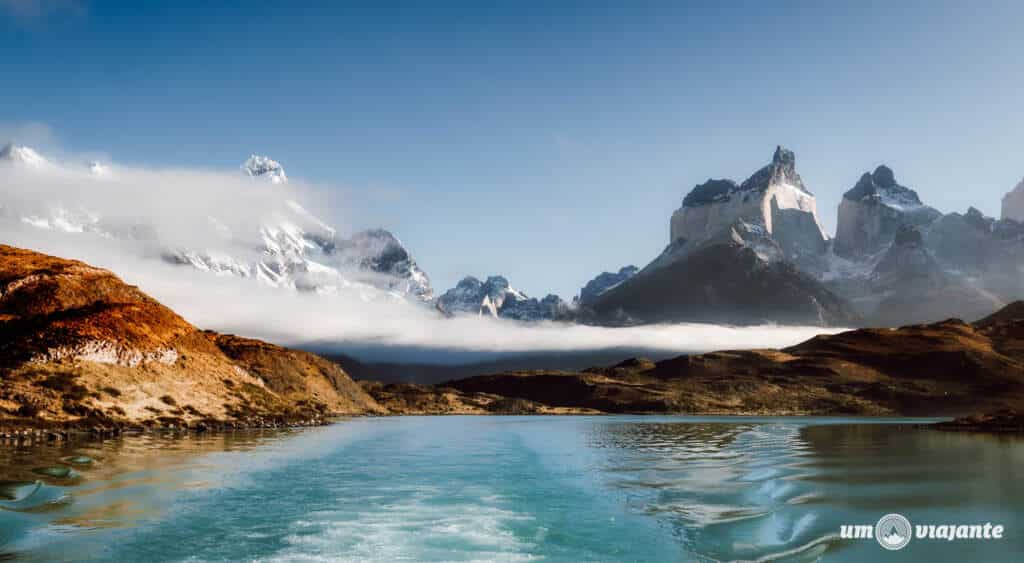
x,y
893,531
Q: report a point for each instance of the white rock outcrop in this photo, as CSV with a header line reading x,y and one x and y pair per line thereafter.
x,y
1013,203
873,211
774,198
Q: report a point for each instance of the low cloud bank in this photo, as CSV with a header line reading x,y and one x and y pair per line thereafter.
x,y
174,208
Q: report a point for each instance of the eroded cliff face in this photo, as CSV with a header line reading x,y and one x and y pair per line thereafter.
x,y
734,256
774,198
872,212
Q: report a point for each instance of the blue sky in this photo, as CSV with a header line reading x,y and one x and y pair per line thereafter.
x,y
546,141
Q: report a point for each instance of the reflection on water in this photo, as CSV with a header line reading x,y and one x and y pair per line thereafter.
x,y
509,488
83,485
765,491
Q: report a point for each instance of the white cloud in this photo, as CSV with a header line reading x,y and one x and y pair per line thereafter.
x,y
174,206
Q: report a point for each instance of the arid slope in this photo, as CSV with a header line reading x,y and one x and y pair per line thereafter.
x,y
79,346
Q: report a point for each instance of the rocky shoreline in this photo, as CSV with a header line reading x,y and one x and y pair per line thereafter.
x,y
31,436
41,432
1007,421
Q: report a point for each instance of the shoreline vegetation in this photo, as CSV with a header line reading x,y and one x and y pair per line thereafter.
x,y
83,353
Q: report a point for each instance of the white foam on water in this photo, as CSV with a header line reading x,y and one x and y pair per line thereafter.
x,y
416,528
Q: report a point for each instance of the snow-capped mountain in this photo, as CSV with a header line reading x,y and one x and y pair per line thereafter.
x,y
300,251
494,297
900,261
732,257
22,155
289,248
379,251
266,167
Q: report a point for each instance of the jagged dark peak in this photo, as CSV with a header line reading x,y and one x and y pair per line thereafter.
x,y
469,282
978,220
376,238
881,185
710,192
782,170
884,176
784,157
497,282
863,188
377,248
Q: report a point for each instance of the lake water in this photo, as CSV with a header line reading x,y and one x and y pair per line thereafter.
x,y
515,488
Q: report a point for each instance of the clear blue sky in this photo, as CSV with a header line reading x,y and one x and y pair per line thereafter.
x,y
543,140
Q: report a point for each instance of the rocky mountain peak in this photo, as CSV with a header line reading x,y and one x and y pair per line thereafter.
x,y
710,192
469,282
872,211
883,176
603,282
494,297
21,155
266,167
773,203
380,251
782,171
978,220
881,186
497,282
784,157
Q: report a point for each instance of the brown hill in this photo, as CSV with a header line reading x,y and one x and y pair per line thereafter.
x,y
419,399
945,368
79,346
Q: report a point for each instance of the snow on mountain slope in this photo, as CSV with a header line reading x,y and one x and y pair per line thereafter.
x,y
302,252
22,155
258,165
284,245
380,251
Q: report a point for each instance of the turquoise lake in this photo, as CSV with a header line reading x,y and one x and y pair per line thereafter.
x,y
514,489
